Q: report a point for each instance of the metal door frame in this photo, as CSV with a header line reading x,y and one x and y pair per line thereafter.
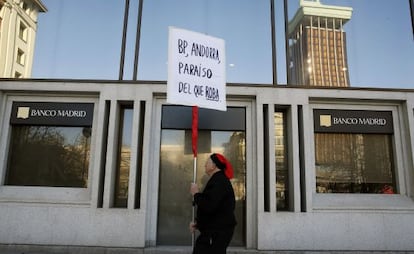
x,y
154,170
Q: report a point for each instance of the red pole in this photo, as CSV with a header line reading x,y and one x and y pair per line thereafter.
x,y
194,140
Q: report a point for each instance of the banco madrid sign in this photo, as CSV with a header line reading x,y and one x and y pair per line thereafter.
x,y
353,121
52,113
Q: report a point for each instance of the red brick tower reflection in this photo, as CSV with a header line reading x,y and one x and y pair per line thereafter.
x,y
317,45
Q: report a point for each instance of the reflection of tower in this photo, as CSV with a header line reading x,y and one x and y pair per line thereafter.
x,y
317,45
18,26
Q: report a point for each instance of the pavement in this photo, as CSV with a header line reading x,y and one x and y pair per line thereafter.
x,y
37,249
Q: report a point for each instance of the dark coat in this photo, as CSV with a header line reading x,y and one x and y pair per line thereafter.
x,y
215,205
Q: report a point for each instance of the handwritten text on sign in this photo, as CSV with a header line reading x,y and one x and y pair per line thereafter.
x,y
196,70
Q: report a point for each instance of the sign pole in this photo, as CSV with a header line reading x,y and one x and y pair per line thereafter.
x,y
193,216
195,170
194,140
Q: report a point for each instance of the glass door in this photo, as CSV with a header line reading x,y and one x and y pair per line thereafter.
x,y
176,168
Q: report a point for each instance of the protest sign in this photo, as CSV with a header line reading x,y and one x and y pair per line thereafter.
x,y
196,70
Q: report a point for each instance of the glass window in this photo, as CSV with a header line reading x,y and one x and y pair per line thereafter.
x,y
282,173
176,174
49,156
23,32
354,163
79,39
124,157
24,6
226,135
370,43
343,48
20,57
243,24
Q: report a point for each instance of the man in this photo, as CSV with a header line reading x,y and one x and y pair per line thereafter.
x,y
215,207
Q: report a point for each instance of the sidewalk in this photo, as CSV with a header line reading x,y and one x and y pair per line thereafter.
x,y
37,249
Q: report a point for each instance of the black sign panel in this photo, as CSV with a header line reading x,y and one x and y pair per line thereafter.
x,y
52,113
353,121
180,117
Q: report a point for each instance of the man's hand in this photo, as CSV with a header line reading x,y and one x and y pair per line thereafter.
x,y
194,189
192,227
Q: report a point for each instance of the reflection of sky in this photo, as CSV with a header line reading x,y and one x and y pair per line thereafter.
x,y
75,39
73,44
70,134
246,34
127,127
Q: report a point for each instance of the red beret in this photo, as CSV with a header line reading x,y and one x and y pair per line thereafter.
x,y
223,164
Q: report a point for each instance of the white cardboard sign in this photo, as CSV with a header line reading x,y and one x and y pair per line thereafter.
x,y
196,70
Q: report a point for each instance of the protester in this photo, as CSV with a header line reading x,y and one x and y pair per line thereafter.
x,y
215,208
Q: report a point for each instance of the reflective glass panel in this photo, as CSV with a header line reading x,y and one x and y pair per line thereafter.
x,y
79,39
124,158
177,172
243,24
49,156
282,173
350,43
354,163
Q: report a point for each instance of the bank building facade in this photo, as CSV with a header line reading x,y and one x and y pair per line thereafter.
x,y
319,125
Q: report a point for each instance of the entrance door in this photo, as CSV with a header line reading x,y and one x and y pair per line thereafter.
x,y
222,132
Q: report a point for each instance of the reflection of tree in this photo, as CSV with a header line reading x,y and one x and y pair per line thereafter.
x,y
282,185
176,174
122,179
353,162
39,156
175,210
235,151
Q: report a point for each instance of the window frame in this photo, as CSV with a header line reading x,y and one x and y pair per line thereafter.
x,y
362,201
21,57
23,31
43,194
123,107
17,75
288,201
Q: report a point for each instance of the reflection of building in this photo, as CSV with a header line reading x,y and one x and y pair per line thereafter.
x,y
281,161
18,25
122,179
317,45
